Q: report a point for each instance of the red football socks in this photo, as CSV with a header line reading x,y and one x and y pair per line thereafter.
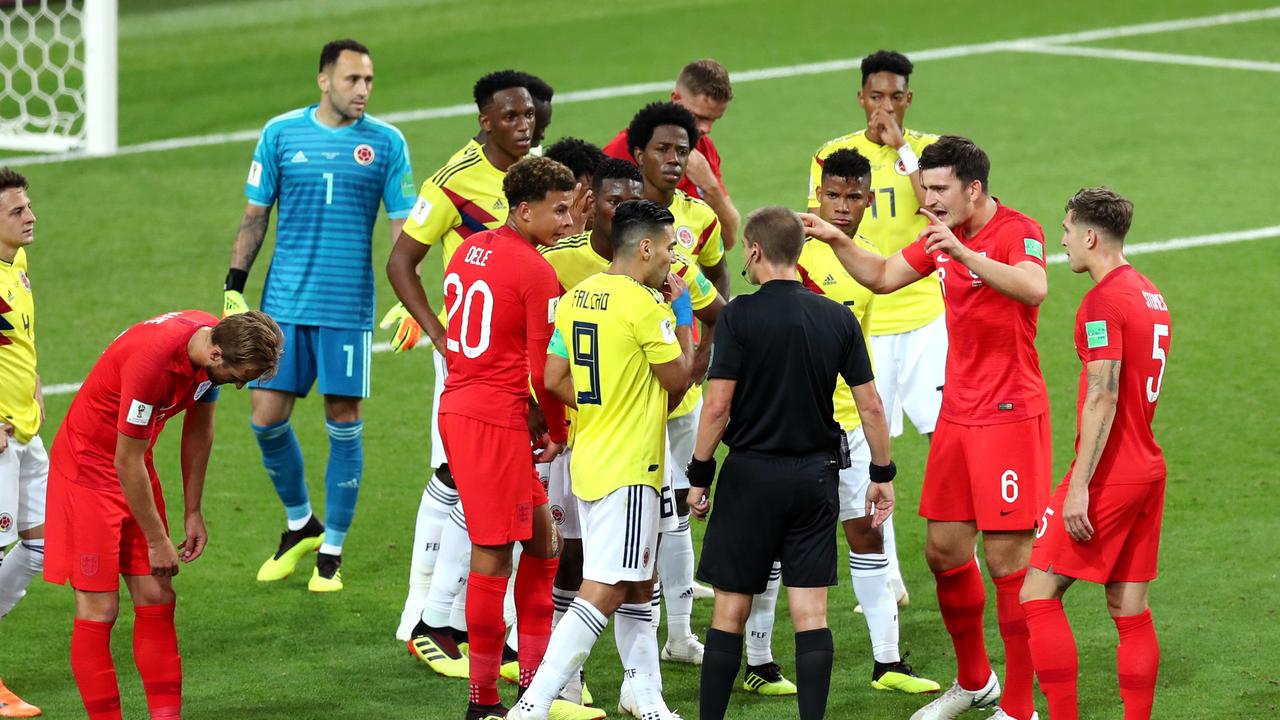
x,y
485,631
534,608
962,598
155,652
94,670
1053,653
1137,661
1019,676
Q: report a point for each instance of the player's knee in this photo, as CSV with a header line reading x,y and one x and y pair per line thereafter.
x,y
863,539
34,533
97,607
731,612
942,558
342,409
445,476
682,502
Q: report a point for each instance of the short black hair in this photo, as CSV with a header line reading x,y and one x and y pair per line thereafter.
x,y
615,169
580,156
330,52
890,61
530,179
10,179
635,220
538,88
655,115
779,233
495,82
847,163
962,155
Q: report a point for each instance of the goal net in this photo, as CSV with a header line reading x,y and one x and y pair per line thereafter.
x,y
58,75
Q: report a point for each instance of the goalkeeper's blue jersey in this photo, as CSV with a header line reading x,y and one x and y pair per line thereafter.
x,y
327,183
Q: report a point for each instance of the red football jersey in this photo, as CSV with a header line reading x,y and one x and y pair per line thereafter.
x,y
142,379
617,148
1125,318
500,296
993,372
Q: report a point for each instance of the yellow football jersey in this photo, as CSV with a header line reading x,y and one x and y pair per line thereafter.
x,y
575,260
18,406
463,197
892,222
697,229
614,329
821,272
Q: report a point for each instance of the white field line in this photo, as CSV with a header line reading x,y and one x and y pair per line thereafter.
x,y
1148,57
1135,249
786,71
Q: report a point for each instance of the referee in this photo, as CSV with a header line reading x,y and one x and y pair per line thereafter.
x,y
769,395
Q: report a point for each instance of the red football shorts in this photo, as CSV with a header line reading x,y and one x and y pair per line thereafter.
x,y
497,484
996,475
91,537
1125,545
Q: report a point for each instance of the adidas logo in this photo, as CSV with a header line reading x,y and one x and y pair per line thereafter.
x,y
499,205
831,280
686,594
352,484
299,157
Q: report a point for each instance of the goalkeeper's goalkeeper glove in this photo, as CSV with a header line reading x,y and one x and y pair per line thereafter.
x,y
408,331
233,293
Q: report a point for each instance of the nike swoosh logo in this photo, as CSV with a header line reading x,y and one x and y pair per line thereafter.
x,y
1007,512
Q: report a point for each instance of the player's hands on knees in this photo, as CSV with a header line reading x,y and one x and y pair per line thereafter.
x,y
192,546
819,229
879,502
408,331
699,503
162,558
1075,514
5,431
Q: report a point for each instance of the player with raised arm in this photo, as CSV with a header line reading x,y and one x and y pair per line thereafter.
x,y
908,333
462,198
1103,523
623,359
989,464
24,465
327,166
703,88
844,193
106,509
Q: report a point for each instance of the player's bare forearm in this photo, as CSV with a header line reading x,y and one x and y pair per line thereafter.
x,y
250,236
402,272
197,446
559,380
1025,282
1096,416
875,425
718,274
397,225
878,274
131,470
715,416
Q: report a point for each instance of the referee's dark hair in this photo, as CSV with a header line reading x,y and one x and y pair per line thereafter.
x,y
962,155
635,220
777,230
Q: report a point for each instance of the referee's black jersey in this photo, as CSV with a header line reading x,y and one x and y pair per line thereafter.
x,y
784,345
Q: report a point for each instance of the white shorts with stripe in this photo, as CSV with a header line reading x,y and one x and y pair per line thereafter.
x,y
910,369
620,535
24,475
560,499
855,480
437,445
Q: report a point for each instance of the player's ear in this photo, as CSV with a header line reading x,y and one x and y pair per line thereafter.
x,y
485,125
635,155
215,355
322,82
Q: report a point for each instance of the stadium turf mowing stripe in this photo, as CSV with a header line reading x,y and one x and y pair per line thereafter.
x,y
1149,57
1028,44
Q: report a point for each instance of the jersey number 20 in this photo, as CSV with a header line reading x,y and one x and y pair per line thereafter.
x,y
479,298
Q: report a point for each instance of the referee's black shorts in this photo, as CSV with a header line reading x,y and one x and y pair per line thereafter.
x,y
771,507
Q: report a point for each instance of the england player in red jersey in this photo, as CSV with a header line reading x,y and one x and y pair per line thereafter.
x,y
988,467
501,296
106,515
1103,523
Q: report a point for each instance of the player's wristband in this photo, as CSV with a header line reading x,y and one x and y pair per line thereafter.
x,y
910,163
682,306
701,472
883,473
236,278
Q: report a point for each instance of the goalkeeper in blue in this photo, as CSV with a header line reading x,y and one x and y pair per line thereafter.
x,y
327,166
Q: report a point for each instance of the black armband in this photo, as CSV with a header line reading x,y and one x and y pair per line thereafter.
x,y
701,472
236,279
883,473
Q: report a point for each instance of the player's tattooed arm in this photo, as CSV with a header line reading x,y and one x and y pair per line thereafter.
x,y
250,237
1102,380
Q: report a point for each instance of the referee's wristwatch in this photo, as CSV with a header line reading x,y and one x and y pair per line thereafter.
x,y
883,473
701,473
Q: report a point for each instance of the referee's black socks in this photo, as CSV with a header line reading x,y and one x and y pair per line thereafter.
x,y
721,658
815,653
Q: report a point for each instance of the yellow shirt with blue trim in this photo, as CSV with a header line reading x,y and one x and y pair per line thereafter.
x,y
18,406
891,223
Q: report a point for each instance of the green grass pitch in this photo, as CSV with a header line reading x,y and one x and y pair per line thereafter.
x,y
125,238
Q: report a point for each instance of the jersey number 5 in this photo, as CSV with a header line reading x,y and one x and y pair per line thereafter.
x,y
477,297
586,337
1161,354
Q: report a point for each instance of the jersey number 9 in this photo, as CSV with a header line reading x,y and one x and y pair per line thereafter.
x,y
585,355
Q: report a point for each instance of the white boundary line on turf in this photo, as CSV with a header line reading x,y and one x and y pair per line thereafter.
x,y
1148,57
786,71
1057,259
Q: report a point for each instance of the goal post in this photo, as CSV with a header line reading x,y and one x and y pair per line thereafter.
x,y
58,75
